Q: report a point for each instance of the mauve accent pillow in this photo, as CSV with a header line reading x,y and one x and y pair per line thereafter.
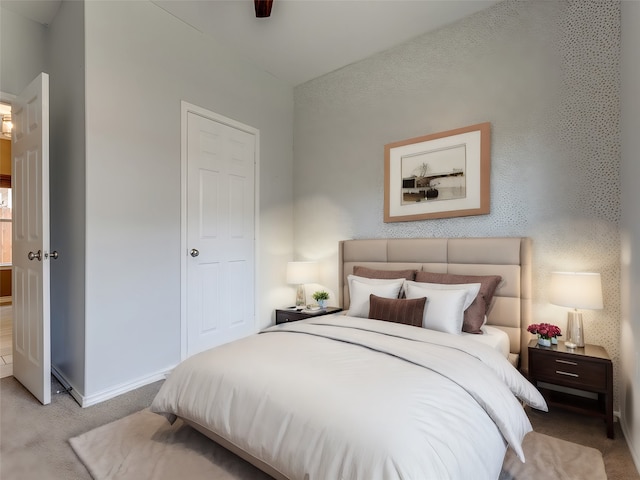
x,y
372,273
474,315
408,312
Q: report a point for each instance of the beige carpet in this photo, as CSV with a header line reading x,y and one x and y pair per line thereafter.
x,y
145,445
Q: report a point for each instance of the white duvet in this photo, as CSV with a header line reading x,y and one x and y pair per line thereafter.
x,y
340,397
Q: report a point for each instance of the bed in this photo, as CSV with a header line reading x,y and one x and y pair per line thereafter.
x,y
346,396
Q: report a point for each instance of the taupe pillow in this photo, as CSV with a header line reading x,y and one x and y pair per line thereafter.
x,y
397,310
474,315
384,274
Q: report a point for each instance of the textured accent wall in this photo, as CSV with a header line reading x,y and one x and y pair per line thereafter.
x,y
630,229
546,76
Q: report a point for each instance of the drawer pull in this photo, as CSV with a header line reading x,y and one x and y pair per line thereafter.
x,y
567,362
560,372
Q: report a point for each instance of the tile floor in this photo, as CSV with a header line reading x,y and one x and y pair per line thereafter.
x,y
6,340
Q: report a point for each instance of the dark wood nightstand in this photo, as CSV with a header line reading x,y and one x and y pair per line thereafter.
x,y
587,368
290,315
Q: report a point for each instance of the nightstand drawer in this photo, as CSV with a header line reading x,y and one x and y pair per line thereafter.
x,y
285,317
570,371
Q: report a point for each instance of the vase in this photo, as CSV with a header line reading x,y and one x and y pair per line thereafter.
x,y
545,342
322,303
554,340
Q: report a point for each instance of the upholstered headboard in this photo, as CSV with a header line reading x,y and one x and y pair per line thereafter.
x,y
510,258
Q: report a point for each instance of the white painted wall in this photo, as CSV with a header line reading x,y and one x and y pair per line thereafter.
x,y
140,63
22,51
67,192
630,229
546,75
119,71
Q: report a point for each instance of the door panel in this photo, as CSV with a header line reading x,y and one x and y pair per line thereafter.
x,y
210,297
220,226
30,152
237,275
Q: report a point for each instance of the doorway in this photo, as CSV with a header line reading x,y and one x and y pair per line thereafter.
x,y
30,257
6,313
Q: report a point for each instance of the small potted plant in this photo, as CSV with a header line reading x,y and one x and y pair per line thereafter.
x,y
321,297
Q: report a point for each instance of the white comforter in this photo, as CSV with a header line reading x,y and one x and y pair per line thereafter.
x,y
350,398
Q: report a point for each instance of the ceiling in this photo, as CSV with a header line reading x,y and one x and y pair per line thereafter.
x,y
303,39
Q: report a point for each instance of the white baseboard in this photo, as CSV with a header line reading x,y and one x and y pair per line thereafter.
x,y
632,450
109,393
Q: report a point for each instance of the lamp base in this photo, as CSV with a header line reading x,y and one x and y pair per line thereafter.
x,y
300,296
575,330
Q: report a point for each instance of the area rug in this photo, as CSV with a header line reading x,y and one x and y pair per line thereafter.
x,y
145,445
549,457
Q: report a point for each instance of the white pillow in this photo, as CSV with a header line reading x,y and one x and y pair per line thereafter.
x,y
361,288
472,289
444,310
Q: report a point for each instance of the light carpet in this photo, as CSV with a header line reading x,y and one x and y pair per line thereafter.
x,y
145,445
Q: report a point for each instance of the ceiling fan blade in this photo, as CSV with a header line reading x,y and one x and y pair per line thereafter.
x,y
263,8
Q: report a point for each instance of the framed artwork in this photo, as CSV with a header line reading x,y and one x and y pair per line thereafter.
x,y
439,175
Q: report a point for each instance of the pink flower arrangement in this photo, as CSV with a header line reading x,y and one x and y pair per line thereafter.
x,y
545,330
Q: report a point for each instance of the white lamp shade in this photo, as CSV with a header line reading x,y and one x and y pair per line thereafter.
x,y
302,272
576,290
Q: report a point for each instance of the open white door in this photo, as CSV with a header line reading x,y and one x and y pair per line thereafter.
x,y
30,177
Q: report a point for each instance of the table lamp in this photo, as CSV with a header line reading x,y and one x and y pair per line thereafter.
x,y
576,290
299,273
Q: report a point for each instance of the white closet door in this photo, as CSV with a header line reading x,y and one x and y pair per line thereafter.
x,y
220,233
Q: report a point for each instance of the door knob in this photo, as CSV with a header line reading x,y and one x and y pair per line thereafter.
x,y
53,255
33,256
194,252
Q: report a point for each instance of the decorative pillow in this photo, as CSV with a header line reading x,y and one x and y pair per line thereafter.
x,y
474,315
472,289
386,274
360,288
444,310
408,312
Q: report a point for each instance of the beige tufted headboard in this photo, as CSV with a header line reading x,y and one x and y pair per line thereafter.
x,y
509,257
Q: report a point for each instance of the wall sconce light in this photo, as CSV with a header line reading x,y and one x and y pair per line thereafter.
x,y
299,273
576,290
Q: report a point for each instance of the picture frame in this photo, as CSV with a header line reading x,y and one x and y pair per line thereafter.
x,y
439,175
